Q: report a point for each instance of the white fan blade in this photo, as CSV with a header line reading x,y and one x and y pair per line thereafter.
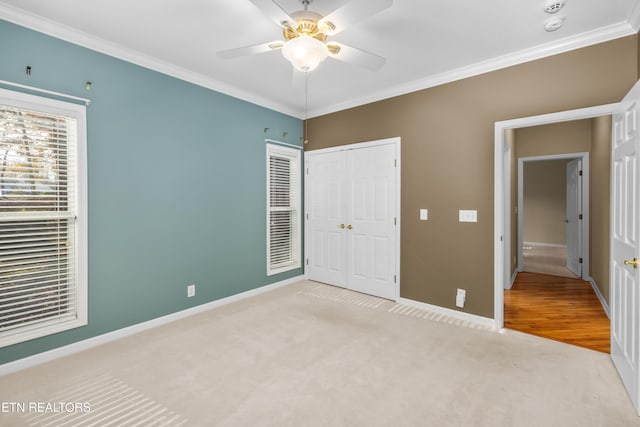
x,y
250,50
354,11
298,78
356,56
276,13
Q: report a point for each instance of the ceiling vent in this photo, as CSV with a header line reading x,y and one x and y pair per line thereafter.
x,y
553,6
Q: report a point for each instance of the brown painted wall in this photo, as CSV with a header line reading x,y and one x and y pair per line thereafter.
x,y
544,202
556,138
447,157
599,202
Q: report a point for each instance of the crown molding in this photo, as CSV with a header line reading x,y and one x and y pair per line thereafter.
x,y
567,44
80,38
634,16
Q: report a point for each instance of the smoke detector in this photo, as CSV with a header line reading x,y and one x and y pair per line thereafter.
x,y
553,6
553,24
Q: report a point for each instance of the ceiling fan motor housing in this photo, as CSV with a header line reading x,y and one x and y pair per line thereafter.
x,y
307,24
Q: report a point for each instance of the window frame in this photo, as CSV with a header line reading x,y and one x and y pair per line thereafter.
x,y
273,149
78,113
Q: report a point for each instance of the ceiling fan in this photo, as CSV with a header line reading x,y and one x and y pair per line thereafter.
x,y
305,34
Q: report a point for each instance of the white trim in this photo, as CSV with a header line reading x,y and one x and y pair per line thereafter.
x,y
368,144
605,306
357,145
545,245
286,144
567,44
295,155
78,112
45,91
506,159
513,279
500,174
634,16
80,38
88,343
584,156
479,320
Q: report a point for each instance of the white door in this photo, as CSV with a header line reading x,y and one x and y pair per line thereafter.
x,y
351,212
625,193
574,216
371,211
326,217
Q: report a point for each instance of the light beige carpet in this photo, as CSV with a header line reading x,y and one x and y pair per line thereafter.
x,y
315,355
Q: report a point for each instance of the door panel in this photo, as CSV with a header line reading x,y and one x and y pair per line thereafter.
x,y
625,299
326,212
371,209
574,224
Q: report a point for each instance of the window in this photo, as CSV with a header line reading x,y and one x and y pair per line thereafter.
x,y
283,209
42,217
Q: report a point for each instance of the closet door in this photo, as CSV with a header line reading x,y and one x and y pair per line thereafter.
x,y
371,217
326,217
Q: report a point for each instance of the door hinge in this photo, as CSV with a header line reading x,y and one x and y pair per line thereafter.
x,y
579,173
307,261
580,260
580,216
395,163
307,217
395,220
395,278
307,171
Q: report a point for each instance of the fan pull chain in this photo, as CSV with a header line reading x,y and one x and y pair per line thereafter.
x,y
306,108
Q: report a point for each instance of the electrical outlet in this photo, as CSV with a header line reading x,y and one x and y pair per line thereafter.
x,y
468,216
191,291
461,295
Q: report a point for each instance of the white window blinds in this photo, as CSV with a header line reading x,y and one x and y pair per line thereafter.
x,y
39,291
283,209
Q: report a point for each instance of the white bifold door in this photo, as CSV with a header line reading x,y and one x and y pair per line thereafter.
x,y
351,217
625,247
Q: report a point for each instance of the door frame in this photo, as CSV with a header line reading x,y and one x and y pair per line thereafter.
x,y
584,229
502,199
367,144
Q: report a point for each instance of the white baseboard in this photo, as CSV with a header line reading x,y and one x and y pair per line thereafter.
x,y
76,347
546,245
605,306
513,279
480,320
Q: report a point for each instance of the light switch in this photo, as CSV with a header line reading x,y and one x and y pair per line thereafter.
x,y
468,216
424,214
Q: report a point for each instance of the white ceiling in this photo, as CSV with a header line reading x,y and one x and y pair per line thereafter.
x,y
426,42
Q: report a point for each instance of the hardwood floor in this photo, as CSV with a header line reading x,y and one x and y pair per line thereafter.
x,y
559,308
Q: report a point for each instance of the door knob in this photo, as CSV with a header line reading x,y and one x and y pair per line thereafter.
x,y
349,227
341,226
633,262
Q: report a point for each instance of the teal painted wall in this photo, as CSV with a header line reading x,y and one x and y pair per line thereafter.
x,y
176,184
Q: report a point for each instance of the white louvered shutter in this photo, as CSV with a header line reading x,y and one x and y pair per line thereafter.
x,y
283,199
38,197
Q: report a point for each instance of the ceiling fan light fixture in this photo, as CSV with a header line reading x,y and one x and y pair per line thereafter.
x,y
304,52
